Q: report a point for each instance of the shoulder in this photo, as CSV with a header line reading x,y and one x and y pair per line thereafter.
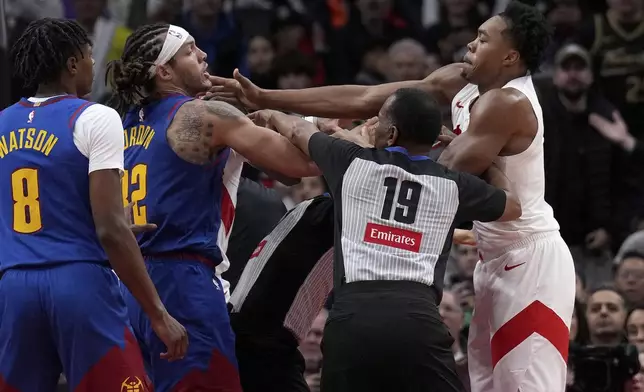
x,y
216,108
97,115
508,102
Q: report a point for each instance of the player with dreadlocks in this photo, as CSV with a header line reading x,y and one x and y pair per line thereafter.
x,y
62,229
175,151
525,282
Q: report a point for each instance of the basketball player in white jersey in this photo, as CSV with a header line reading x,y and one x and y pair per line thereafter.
x,y
525,281
231,178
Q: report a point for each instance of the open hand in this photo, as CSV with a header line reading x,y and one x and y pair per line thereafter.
x,y
464,237
262,118
173,335
616,131
237,91
328,125
446,136
597,239
137,229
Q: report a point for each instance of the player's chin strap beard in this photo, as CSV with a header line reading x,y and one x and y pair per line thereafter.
x,y
174,39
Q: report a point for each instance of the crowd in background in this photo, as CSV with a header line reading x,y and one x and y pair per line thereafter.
x,y
591,87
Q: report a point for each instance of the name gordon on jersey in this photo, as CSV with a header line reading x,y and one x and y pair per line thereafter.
x,y
140,135
27,139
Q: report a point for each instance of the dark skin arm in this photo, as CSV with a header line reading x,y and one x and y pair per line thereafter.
x,y
113,230
348,101
202,128
297,130
501,123
495,177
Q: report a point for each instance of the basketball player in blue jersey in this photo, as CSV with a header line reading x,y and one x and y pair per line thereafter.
x,y
62,227
175,151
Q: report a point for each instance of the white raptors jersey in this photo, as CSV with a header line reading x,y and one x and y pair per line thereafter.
x,y
525,170
231,177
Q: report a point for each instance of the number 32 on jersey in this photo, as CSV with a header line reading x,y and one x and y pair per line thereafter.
x,y
136,180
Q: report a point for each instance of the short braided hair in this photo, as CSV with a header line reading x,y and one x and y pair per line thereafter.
x,y
40,54
129,77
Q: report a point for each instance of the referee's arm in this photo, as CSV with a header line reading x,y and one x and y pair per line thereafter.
x,y
480,201
332,155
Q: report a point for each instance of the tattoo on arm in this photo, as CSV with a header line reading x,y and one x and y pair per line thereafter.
x,y
222,109
190,134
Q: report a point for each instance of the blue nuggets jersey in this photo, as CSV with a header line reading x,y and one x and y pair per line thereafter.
x,y
181,198
45,212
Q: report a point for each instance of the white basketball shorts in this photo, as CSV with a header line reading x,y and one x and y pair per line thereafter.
x,y
524,300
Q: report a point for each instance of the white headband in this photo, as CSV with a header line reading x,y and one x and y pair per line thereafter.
x,y
174,39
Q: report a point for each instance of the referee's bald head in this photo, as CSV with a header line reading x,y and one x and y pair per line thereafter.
x,y
409,117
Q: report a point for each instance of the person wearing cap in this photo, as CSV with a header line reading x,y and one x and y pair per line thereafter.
x,y
578,161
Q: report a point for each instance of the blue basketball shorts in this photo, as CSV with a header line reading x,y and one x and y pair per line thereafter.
x,y
67,318
193,295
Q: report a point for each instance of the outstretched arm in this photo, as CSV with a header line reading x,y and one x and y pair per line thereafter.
x,y
201,127
348,101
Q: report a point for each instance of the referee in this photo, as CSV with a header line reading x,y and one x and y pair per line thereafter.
x,y
395,212
282,289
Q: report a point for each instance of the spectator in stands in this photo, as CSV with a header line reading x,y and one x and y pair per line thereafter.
x,y
606,315
616,42
635,328
294,71
108,37
369,21
629,278
465,258
312,352
457,27
406,61
580,289
260,61
564,17
216,32
637,383
578,162
579,325
165,11
375,63
454,319
432,63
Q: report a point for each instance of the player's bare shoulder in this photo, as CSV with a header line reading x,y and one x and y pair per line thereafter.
x,y
509,111
192,131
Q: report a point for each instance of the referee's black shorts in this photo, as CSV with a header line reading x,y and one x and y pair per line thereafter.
x,y
387,336
269,361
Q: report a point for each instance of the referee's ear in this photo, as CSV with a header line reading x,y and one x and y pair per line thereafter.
x,y
393,136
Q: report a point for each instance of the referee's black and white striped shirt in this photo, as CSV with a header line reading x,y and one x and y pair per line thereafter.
x,y
394,213
289,275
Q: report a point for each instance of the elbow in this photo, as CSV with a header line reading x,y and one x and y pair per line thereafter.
x,y
110,232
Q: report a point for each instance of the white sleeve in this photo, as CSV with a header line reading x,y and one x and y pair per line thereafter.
x,y
98,135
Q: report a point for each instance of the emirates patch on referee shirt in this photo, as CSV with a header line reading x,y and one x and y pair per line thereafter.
x,y
392,236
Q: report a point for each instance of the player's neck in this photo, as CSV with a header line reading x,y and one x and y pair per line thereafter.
x,y
501,81
171,90
51,90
